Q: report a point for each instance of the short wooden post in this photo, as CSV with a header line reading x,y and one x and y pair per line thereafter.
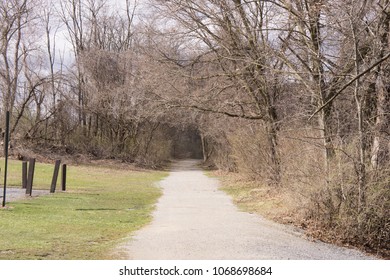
x,y
63,177
24,174
55,176
30,178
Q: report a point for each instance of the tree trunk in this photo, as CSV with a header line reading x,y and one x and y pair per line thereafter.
x,y
323,121
275,168
204,151
380,152
380,146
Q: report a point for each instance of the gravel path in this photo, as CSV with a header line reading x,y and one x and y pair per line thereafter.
x,y
195,220
19,193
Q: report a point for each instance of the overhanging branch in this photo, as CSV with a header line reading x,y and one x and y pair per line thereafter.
x,y
229,114
349,83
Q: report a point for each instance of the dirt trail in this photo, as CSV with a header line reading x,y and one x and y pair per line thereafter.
x,y
195,220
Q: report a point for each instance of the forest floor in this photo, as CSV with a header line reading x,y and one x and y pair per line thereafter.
x,y
194,219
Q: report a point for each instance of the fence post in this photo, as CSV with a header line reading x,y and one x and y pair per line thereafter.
x,y
24,175
63,181
55,176
30,178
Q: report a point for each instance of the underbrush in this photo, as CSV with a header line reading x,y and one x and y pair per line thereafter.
x,y
334,214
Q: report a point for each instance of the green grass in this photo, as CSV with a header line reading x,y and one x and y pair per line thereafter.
x,y
102,206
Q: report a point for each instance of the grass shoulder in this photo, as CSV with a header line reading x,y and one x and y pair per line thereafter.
x,y
254,197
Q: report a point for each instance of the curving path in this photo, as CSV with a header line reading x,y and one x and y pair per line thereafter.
x,y
194,220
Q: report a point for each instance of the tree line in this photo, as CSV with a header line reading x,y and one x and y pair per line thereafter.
x,y
291,93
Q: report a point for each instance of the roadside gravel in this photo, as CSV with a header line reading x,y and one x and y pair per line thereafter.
x,y
195,220
14,194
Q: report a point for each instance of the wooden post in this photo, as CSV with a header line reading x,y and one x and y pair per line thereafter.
x,y
24,174
63,181
30,178
55,176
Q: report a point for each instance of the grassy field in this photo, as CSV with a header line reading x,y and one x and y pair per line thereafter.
x,y
102,205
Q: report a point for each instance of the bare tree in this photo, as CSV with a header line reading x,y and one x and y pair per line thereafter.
x,y
72,13
14,15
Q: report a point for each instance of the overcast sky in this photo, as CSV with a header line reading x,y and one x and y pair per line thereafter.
x,y
63,45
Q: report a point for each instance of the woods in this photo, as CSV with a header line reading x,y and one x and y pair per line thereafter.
x,y
294,94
